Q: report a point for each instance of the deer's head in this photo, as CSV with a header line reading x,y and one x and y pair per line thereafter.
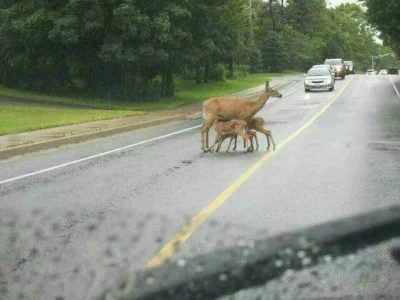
x,y
271,92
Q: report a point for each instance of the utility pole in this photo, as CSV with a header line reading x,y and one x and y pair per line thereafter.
x,y
251,17
250,8
272,16
282,14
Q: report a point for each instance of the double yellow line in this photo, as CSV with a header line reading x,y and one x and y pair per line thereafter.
x,y
168,250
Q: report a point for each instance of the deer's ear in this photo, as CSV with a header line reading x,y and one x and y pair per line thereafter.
x,y
267,85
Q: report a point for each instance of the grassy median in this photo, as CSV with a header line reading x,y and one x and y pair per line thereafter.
x,y
16,118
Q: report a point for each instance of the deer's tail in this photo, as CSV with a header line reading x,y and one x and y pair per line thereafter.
x,y
204,113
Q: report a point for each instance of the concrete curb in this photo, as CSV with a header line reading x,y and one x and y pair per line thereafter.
x,y
35,147
25,149
256,262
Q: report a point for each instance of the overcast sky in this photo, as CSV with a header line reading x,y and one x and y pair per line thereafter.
x,y
338,2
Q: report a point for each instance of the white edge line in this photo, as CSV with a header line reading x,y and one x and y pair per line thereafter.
x,y
112,151
394,86
98,155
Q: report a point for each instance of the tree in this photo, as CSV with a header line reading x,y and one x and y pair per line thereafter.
x,y
354,38
219,34
301,51
149,39
306,16
255,61
386,18
273,53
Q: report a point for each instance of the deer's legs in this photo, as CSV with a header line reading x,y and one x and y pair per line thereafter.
x,y
217,139
234,147
205,128
202,131
230,142
222,139
255,137
245,138
273,142
269,136
250,137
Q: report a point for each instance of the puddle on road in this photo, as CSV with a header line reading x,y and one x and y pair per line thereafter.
x,y
275,122
386,147
390,121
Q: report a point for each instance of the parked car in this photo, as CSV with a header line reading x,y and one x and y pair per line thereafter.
x,y
325,67
338,66
370,72
393,70
318,78
382,72
351,67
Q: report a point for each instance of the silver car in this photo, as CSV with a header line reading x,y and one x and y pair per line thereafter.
x,y
383,72
370,72
318,79
324,67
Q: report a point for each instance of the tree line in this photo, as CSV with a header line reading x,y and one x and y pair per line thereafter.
x,y
135,49
386,17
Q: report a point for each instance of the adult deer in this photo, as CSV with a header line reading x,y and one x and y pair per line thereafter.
x,y
231,108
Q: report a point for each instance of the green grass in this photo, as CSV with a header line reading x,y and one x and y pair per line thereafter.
x,y
21,118
186,92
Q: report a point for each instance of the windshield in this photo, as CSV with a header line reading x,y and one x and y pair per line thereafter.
x,y
318,72
198,148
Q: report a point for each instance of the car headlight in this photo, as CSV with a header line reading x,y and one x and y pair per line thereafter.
x,y
307,81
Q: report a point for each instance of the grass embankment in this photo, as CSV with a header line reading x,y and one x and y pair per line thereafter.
x,y
23,110
16,118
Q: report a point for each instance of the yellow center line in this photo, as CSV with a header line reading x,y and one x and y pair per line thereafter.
x,y
169,249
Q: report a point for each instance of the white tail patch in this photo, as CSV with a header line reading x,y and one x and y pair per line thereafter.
x,y
204,114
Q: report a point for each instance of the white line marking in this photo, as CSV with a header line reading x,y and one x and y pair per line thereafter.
x,y
111,151
292,92
394,86
283,96
98,155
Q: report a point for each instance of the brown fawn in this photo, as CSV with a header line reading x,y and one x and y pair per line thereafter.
x,y
229,128
256,124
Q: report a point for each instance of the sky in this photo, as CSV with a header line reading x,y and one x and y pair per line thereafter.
x,y
338,2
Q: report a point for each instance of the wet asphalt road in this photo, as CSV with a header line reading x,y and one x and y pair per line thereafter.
x,y
70,232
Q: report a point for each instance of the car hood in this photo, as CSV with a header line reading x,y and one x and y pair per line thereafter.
x,y
318,77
